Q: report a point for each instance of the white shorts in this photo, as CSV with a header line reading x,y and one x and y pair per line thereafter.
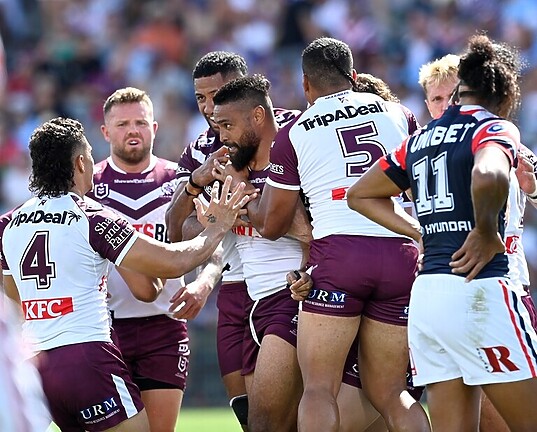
x,y
480,331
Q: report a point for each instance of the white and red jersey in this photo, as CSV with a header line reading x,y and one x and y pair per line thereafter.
x,y
142,199
58,252
514,225
325,150
265,262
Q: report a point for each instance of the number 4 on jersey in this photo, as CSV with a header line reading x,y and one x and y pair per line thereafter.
x,y
36,264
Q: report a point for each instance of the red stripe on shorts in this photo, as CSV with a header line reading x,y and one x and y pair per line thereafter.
x,y
517,329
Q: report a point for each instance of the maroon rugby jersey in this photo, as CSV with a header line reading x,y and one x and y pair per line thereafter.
x,y
142,198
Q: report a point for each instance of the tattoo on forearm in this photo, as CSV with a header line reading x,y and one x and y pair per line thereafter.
x,y
211,218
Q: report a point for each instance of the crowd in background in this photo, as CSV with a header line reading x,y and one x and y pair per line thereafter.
x,y
63,57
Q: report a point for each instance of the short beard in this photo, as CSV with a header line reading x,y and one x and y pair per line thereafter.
x,y
132,157
246,152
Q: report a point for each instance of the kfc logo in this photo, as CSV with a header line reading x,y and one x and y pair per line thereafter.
x,y
47,308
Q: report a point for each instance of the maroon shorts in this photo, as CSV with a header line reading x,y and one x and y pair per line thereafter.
x,y
276,314
360,275
232,322
351,373
88,386
530,305
155,350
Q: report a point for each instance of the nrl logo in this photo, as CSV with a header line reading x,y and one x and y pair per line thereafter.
x,y
168,188
101,190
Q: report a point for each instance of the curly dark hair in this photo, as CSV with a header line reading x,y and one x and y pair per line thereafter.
x,y
252,90
367,83
328,63
492,71
222,62
52,147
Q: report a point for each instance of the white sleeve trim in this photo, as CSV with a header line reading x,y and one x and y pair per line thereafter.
x,y
127,247
271,182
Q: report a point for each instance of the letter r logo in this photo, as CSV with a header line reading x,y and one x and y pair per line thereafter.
x,y
497,356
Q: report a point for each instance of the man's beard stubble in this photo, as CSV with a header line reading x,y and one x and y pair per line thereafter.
x,y
244,154
132,156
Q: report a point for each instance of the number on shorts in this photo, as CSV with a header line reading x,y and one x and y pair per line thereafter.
x,y
442,200
356,142
36,264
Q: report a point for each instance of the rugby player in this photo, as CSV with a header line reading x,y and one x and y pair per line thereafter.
x,y
56,251
355,290
137,185
460,183
245,116
439,81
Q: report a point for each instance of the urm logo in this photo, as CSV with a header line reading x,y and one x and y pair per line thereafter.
x,y
100,409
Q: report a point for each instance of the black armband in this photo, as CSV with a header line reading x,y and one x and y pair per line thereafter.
x,y
190,194
193,184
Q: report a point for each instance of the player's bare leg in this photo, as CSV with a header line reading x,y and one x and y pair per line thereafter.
x,y
137,423
383,359
515,402
323,344
490,420
275,388
356,413
235,388
162,407
453,406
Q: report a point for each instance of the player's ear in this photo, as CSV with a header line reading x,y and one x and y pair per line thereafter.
x,y
104,131
305,83
259,114
79,163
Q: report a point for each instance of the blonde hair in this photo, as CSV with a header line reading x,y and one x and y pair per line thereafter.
x,y
126,95
438,71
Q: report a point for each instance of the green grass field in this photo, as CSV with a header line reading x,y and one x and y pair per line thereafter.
x,y
207,420
201,420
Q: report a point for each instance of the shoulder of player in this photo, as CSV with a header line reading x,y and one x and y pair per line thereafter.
x,y
100,167
166,165
5,219
88,205
206,142
284,115
495,125
95,211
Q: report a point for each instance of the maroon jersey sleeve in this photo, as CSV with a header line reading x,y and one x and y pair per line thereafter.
x,y
109,233
284,160
196,153
412,121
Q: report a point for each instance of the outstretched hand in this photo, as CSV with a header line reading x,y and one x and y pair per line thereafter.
x,y
224,207
477,251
